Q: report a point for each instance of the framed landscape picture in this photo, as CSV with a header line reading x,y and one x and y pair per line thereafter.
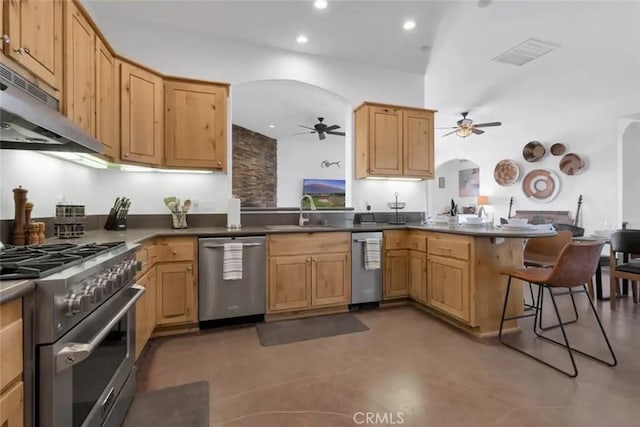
x,y
326,193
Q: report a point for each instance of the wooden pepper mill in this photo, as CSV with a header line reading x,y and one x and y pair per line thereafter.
x,y
19,222
28,207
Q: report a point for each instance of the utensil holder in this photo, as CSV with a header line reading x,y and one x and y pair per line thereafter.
x,y
115,224
179,220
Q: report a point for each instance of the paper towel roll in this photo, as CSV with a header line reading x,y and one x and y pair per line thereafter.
x,y
233,213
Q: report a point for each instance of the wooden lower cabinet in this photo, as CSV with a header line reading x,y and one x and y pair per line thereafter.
x,y
12,406
418,276
331,282
396,274
289,282
176,294
449,286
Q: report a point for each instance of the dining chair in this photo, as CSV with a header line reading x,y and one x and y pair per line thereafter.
x,y
625,242
575,266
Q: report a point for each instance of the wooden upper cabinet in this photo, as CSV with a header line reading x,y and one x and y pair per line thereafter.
x,y
79,69
106,113
418,143
195,124
141,115
34,29
393,141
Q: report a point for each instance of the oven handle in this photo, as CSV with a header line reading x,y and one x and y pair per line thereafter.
x,y
74,353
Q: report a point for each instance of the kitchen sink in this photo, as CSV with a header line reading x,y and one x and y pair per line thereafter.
x,y
299,227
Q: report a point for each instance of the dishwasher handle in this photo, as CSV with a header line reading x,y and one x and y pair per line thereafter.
x,y
244,245
364,241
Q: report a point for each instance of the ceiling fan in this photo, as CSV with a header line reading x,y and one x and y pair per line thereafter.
x,y
465,127
321,129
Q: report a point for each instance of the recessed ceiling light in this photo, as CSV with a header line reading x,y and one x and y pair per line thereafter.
x,y
409,25
302,39
320,4
272,126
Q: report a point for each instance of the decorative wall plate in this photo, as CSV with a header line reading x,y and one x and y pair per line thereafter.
x,y
541,185
571,164
533,151
558,149
506,172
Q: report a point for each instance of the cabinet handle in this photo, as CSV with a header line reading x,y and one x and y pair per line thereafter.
x,y
315,259
219,163
6,39
126,155
174,252
308,259
189,268
20,50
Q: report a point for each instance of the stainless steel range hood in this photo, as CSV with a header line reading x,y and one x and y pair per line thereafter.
x,y
28,123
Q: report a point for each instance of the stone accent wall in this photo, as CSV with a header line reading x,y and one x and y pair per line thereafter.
x,y
255,168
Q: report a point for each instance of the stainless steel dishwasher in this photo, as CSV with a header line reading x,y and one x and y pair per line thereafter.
x,y
366,285
224,299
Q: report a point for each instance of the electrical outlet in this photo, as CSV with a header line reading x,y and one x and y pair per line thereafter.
x,y
207,205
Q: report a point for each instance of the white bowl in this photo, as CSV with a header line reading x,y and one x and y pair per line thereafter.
x,y
519,222
442,219
603,233
473,220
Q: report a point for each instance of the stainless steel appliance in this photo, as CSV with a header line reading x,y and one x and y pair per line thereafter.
x,y
29,119
223,299
366,285
83,332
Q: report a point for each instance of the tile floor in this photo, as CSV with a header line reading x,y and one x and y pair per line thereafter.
x,y
411,363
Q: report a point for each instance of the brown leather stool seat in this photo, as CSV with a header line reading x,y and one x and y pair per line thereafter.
x,y
575,266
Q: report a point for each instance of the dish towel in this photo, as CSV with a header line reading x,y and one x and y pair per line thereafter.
x,y
371,254
232,261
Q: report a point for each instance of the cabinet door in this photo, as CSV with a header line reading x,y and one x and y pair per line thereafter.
x,y
79,71
396,273
289,282
195,125
12,407
386,141
35,32
141,112
418,143
106,125
176,301
449,286
141,317
152,298
418,276
331,279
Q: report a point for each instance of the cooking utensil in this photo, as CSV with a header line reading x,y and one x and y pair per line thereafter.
x,y
186,206
172,206
168,200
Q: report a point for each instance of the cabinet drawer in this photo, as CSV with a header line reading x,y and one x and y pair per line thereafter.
x,y
395,239
450,248
174,250
12,406
309,243
417,242
10,342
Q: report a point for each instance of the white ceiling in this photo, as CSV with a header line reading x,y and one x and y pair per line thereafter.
x,y
286,105
368,32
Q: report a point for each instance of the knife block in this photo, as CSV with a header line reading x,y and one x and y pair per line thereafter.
x,y
115,224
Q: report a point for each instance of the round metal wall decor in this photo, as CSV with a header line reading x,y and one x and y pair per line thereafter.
x,y
558,149
541,185
571,164
506,172
533,151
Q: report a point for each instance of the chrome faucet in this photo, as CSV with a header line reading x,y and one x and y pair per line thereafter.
x,y
302,220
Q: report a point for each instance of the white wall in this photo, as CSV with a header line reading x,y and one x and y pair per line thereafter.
x,y
630,140
440,198
300,158
194,55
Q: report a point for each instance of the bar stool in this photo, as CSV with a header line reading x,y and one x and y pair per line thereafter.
x,y
626,242
575,266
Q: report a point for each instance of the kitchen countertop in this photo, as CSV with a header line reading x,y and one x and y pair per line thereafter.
x,y
11,289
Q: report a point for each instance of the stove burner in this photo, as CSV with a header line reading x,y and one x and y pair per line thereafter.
x,y
28,262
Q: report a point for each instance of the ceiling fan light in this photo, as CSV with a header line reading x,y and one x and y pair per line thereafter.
x,y
320,4
464,132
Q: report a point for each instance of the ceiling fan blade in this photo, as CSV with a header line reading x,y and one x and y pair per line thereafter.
x,y
307,127
486,125
335,133
477,131
450,133
321,135
304,133
332,127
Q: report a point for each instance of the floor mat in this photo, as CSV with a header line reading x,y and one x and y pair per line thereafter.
x,y
288,331
183,405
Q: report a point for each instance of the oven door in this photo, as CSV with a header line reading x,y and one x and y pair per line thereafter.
x,y
81,375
